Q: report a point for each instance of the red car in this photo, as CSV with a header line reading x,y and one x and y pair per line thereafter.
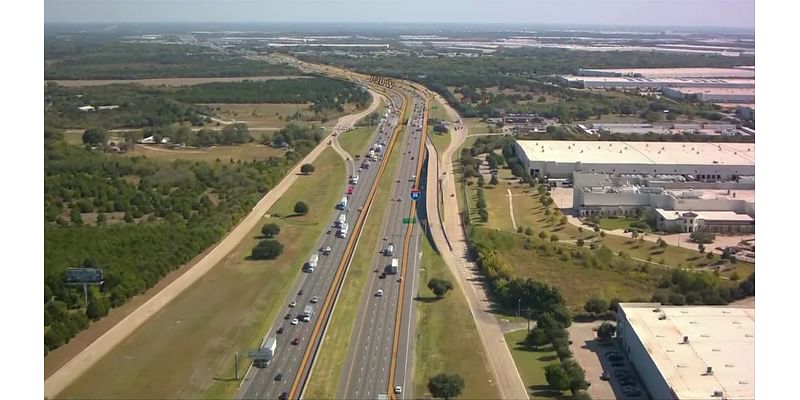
x,y
350,190
296,341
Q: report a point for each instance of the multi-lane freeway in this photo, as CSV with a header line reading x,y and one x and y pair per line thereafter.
x,y
380,342
291,361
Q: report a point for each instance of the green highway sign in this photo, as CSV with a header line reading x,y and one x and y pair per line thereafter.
x,y
410,220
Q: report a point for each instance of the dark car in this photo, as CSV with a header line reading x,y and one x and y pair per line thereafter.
x,y
279,377
604,376
287,316
300,293
280,330
621,373
283,396
296,341
617,364
627,381
614,358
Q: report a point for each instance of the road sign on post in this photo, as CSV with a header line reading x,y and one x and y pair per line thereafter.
x,y
408,220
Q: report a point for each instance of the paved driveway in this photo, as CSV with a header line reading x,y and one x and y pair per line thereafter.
x,y
585,350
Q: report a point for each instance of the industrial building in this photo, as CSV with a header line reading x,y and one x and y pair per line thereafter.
x,y
702,161
690,352
614,82
703,72
714,95
672,202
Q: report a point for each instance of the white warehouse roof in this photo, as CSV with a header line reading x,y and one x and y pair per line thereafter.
x,y
668,153
718,337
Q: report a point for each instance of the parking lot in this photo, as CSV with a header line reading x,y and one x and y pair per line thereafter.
x,y
608,372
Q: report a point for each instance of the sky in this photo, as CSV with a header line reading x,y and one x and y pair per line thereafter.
x,y
683,13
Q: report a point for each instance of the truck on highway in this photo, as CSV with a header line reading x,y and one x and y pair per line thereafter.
x,y
342,203
308,312
341,220
393,267
265,353
312,262
342,230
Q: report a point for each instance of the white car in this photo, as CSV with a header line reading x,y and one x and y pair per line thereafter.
x,y
398,390
379,293
295,321
292,304
314,299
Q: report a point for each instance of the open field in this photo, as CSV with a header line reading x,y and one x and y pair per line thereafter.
x,y
170,81
435,350
475,126
264,115
186,349
531,363
245,152
615,223
324,381
356,141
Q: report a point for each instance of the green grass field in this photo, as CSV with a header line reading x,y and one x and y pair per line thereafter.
x,y
435,351
357,140
615,223
531,363
186,350
245,152
328,366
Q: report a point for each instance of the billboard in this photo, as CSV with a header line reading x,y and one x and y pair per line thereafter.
x,y
84,275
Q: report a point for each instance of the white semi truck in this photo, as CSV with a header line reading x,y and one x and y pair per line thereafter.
x,y
341,220
308,312
312,262
342,230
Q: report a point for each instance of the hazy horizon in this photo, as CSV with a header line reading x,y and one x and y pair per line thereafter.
x,y
709,14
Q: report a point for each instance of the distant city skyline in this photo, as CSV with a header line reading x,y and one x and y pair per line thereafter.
x,y
641,13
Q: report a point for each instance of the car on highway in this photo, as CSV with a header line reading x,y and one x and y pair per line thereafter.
x,y
292,304
283,396
326,250
314,299
295,321
279,377
398,390
379,293
296,341
300,292
280,330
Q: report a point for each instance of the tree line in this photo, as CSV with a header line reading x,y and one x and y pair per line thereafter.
x,y
172,212
87,56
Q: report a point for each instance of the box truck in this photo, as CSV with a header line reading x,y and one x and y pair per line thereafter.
x,y
308,312
394,267
341,220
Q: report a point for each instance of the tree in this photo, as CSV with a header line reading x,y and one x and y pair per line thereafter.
x,y
710,255
270,230
580,243
576,374
439,286
702,237
602,234
481,180
537,337
307,168
543,235
96,309
596,305
446,386
606,330
528,231
554,238
493,181
101,219
94,136
267,250
556,377
301,208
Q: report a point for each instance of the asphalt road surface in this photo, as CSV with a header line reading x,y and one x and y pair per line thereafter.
x,y
368,364
261,383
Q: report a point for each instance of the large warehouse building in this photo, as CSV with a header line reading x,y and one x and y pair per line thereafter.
x,y
716,95
690,352
691,72
627,82
703,161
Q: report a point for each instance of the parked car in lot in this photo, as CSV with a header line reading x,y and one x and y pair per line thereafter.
x,y
604,376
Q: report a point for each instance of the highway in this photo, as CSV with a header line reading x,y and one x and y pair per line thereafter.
x,y
378,334
261,383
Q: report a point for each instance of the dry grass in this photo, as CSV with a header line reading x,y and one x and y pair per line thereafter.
x,y
245,152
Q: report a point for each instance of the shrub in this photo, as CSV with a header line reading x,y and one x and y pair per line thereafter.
x,y
270,230
301,208
267,250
